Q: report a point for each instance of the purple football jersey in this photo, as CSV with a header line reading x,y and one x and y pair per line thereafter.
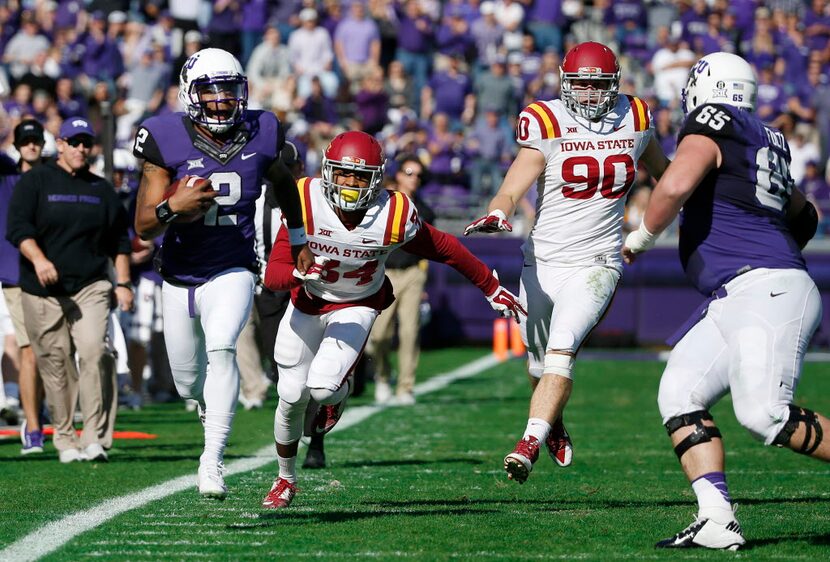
x,y
193,253
735,219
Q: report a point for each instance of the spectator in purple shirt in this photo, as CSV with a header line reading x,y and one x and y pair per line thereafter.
x,y
415,33
453,38
712,40
224,25
546,23
357,44
449,92
102,59
626,17
693,19
817,25
372,103
68,102
771,99
487,33
488,146
447,151
20,102
317,108
254,16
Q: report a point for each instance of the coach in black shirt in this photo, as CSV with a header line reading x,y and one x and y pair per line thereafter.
x,y
68,224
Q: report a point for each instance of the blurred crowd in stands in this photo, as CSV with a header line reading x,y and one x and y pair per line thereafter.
x,y
443,80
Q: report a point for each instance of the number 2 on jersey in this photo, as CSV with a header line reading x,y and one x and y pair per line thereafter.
x,y
579,170
229,186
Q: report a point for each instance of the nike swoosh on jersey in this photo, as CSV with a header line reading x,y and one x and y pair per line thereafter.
x,y
773,295
246,156
368,241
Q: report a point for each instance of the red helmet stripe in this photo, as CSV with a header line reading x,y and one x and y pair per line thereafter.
x,y
390,218
304,185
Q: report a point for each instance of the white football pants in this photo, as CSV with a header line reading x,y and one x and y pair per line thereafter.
x,y
563,305
752,343
315,355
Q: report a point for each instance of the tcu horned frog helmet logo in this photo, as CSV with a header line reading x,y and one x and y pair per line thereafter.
x,y
720,78
590,78
358,152
214,90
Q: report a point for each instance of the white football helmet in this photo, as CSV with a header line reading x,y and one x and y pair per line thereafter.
x,y
720,78
217,73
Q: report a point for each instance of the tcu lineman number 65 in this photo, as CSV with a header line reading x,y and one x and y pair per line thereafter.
x,y
578,170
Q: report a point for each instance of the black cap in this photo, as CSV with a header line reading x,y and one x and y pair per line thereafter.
x,y
28,129
289,154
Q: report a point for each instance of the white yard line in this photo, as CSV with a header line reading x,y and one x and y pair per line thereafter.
x,y
52,536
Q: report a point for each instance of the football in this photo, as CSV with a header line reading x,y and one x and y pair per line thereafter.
x,y
186,182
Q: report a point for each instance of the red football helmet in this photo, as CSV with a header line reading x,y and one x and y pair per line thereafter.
x,y
359,152
590,78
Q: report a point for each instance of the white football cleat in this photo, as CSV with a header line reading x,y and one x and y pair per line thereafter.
x,y
383,392
211,480
708,534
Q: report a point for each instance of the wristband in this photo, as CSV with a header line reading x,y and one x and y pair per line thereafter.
x,y
164,213
126,285
296,236
641,239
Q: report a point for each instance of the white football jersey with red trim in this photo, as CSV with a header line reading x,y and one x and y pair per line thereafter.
x,y
357,265
590,168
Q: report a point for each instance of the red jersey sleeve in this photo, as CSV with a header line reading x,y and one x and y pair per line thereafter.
x,y
435,245
279,274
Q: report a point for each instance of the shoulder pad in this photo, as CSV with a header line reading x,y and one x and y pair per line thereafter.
x,y
537,121
710,120
642,114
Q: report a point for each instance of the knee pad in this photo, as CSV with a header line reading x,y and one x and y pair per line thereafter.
x,y
562,340
811,426
326,396
288,421
559,364
291,389
701,434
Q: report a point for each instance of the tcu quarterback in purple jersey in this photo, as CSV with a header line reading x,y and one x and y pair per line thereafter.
x,y
208,261
742,227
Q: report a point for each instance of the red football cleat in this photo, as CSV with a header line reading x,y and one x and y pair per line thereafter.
x,y
560,447
280,495
329,414
519,463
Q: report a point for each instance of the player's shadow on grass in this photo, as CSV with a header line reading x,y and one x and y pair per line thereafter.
x,y
269,519
812,539
409,462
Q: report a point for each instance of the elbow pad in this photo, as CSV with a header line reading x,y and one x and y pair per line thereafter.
x,y
803,226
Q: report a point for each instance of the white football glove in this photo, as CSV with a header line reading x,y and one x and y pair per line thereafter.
x,y
506,303
314,273
496,221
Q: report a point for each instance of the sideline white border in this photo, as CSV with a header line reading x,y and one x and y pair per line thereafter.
x,y
52,536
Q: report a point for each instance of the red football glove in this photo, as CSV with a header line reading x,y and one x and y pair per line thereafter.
x,y
506,303
496,221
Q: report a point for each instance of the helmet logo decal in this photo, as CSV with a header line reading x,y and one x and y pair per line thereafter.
x,y
719,91
354,160
583,70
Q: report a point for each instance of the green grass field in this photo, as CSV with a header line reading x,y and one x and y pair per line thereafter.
x,y
426,482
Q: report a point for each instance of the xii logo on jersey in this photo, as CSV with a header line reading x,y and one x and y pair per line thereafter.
x,y
197,163
324,232
572,130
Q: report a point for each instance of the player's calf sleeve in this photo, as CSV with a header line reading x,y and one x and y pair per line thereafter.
x,y
813,433
222,382
701,434
288,421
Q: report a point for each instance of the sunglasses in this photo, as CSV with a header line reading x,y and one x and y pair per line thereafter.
x,y
75,142
411,172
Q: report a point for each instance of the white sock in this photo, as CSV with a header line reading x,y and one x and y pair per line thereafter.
x,y
288,468
217,430
538,428
713,498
